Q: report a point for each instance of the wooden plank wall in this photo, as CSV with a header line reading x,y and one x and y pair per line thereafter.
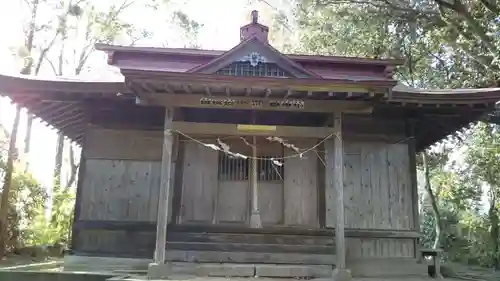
x,y
301,187
120,183
378,197
199,183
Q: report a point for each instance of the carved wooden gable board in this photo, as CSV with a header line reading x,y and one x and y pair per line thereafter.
x,y
254,58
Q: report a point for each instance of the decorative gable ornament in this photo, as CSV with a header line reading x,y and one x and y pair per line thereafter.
x,y
254,58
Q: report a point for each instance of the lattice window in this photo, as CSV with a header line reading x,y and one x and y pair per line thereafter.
x,y
238,169
267,171
244,68
232,168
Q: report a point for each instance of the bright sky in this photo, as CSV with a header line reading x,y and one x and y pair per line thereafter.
x,y
221,20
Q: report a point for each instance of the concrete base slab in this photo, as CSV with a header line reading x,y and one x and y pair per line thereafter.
x,y
176,269
388,267
103,264
293,271
341,274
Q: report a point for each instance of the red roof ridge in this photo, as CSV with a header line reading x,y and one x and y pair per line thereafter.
x,y
215,53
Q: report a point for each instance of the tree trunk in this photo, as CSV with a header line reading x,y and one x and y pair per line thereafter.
x,y
27,141
27,69
58,160
494,231
73,166
434,203
7,184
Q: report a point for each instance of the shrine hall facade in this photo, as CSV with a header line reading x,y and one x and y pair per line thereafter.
x,y
247,162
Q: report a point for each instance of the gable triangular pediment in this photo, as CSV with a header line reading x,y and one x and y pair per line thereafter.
x,y
253,57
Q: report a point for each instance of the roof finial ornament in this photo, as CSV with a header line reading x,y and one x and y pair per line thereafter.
x,y
255,16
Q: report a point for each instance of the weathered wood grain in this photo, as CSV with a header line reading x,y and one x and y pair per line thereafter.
x,y
117,243
301,187
339,181
378,186
165,193
330,192
379,248
285,239
271,202
233,204
254,248
199,183
120,190
116,144
249,257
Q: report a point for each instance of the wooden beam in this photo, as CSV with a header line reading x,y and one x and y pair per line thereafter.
x,y
163,198
250,103
133,226
234,234
255,220
316,85
339,188
382,233
219,129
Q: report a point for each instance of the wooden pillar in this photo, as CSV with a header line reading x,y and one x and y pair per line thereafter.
x,y
255,220
412,154
164,194
339,190
334,196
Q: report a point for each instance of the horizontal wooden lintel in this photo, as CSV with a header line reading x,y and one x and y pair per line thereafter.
x,y
383,233
143,226
219,129
253,103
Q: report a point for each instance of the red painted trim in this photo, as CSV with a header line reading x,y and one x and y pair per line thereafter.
x,y
215,53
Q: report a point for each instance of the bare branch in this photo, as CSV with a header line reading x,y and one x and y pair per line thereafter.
x,y
43,53
491,6
52,66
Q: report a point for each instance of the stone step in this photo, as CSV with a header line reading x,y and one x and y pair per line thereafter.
x,y
171,270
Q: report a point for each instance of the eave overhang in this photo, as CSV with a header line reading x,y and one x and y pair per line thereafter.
x,y
63,103
380,86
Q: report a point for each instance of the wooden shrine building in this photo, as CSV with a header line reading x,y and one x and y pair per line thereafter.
x,y
248,162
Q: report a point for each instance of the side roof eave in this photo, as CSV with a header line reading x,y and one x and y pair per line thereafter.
x,y
27,83
42,98
402,93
